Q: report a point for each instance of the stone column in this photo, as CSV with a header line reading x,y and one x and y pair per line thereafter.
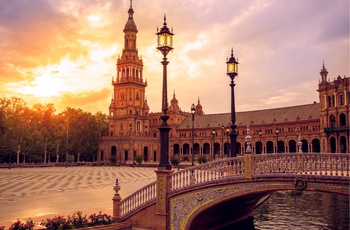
x,y
248,157
116,201
163,187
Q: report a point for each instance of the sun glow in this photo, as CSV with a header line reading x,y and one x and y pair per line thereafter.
x,y
48,80
45,86
94,20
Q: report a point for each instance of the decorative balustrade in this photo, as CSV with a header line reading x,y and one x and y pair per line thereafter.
x,y
214,170
307,163
325,164
140,197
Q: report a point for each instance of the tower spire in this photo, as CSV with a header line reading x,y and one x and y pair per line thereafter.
x,y
130,24
323,74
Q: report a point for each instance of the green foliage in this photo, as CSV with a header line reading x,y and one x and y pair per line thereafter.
x,y
139,159
29,225
202,159
77,220
39,131
113,159
70,158
174,161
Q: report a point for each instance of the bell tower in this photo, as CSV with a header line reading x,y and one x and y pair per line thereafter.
x,y
128,111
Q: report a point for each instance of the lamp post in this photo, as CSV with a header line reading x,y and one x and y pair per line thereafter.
x,y
222,141
232,72
165,43
277,132
248,138
227,149
260,134
193,110
213,132
10,161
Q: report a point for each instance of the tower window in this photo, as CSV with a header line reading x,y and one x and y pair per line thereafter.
x,y
341,99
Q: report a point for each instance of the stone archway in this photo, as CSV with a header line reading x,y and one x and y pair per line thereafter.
x,y
145,153
305,146
332,144
269,147
316,146
343,144
206,148
114,151
176,149
292,146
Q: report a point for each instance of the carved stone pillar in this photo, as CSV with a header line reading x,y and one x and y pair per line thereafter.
x,y
116,201
163,186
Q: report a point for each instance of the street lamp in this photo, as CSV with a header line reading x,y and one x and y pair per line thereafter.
x,y
260,134
222,141
165,43
227,148
213,132
232,72
10,161
193,110
277,132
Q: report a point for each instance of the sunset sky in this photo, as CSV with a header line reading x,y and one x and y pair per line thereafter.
x,y
64,51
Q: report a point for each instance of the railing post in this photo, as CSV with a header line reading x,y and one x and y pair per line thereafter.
x,y
248,165
248,157
116,201
163,187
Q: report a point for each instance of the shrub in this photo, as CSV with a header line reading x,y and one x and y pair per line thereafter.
x,y
77,220
202,159
174,161
113,159
56,223
139,159
29,225
70,158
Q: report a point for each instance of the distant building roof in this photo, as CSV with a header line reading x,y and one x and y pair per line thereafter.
x,y
257,117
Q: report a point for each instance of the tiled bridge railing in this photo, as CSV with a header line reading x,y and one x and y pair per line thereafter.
x,y
246,166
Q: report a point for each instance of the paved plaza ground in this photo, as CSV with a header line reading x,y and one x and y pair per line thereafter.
x,y
40,193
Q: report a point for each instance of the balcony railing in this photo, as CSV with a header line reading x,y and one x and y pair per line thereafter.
x,y
336,129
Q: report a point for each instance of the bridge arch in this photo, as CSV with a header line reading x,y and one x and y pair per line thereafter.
x,y
197,206
186,196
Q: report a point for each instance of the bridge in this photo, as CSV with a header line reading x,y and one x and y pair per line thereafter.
x,y
192,198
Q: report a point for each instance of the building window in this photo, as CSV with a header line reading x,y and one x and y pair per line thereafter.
x,y
341,99
332,121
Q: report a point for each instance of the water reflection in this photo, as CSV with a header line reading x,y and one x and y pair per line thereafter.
x,y
310,210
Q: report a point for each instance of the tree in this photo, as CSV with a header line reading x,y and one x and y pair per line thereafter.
x,y
174,161
201,159
44,133
38,131
139,159
18,121
113,159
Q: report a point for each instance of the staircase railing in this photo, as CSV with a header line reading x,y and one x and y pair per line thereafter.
x,y
327,164
139,198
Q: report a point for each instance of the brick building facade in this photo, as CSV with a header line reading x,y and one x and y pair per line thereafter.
x,y
322,126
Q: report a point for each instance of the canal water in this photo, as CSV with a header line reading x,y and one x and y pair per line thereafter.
x,y
310,210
